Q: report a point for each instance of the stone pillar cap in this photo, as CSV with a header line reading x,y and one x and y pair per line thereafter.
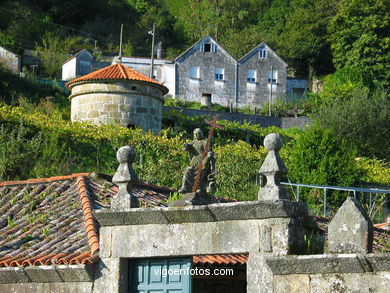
x,y
273,168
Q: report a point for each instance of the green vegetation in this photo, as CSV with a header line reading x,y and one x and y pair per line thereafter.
x,y
343,42
38,146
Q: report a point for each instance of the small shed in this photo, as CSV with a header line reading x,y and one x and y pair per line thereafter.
x,y
117,94
79,65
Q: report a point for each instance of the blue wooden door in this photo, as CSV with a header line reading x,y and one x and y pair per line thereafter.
x,y
160,276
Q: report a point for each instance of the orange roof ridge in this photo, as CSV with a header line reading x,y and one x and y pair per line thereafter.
x,y
89,219
123,71
42,180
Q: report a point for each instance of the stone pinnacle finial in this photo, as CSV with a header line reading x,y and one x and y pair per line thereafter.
x,y
125,177
350,230
273,168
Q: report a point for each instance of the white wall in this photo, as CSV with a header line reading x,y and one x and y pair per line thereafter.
x,y
69,70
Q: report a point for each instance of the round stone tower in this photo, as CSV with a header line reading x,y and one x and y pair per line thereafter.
x,y
117,95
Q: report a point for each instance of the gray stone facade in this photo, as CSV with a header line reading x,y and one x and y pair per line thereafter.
x,y
128,103
10,61
243,83
206,62
254,93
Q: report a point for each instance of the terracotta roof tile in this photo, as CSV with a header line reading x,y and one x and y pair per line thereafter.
x,y
50,221
114,72
220,259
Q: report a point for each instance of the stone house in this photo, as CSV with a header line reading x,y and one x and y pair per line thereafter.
x,y
206,69
64,234
10,60
260,72
78,65
207,73
117,94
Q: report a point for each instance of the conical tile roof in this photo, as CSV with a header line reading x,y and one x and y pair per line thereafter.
x,y
114,72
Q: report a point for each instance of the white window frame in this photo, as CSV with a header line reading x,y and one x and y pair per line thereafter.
x,y
251,75
194,72
213,47
274,78
263,53
219,74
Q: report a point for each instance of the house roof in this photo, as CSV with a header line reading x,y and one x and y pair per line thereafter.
x,y
77,54
114,72
255,50
50,220
205,39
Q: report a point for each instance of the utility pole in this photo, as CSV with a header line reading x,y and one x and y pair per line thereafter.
x,y
270,94
152,32
120,45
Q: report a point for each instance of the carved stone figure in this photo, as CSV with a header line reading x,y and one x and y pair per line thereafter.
x,y
195,150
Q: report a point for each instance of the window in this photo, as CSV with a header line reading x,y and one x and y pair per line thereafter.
x,y
208,47
251,75
194,72
263,53
219,73
274,76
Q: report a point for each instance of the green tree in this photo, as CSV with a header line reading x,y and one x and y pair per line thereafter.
x,y
319,158
54,51
359,37
362,119
8,42
297,29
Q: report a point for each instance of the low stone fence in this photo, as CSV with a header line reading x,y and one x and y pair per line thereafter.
x,y
263,121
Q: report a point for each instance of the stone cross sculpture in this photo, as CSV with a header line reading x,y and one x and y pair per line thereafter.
x,y
199,177
125,177
273,168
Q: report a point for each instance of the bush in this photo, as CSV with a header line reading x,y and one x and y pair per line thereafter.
x,y
362,120
319,158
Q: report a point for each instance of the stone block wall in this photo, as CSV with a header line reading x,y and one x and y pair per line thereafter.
x,y
263,121
222,91
126,103
319,273
254,94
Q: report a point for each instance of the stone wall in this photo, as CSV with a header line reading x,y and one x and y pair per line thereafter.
x,y
127,103
319,273
263,121
75,287
190,89
254,94
47,278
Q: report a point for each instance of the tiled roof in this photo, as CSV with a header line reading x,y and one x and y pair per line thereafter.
x,y
50,220
115,72
220,259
